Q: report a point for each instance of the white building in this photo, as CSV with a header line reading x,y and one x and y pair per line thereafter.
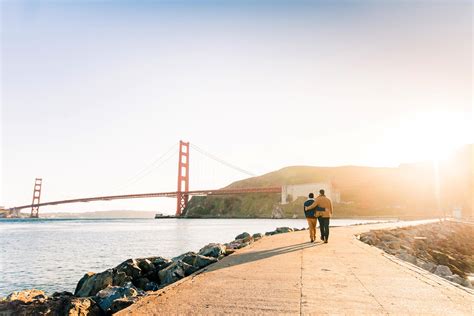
x,y
294,191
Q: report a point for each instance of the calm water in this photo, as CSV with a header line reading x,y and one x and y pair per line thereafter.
x,y
53,254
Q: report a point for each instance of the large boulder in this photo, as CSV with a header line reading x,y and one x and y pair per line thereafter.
x,y
27,296
406,257
243,236
443,271
121,303
187,257
281,230
213,250
257,236
145,265
60,304
107,296
456,279
174,272
159,262
130,267
237,244
91,283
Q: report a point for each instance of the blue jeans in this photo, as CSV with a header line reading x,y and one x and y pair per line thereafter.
x,y
324,227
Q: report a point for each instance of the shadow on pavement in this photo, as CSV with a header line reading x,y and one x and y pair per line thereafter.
x,y
250,256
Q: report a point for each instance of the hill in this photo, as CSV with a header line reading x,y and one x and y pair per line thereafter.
x,y
412,190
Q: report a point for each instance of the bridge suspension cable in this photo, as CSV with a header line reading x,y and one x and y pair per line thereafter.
x,y
219,160
155,164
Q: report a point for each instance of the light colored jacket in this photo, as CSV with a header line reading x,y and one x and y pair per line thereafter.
x,y
322,201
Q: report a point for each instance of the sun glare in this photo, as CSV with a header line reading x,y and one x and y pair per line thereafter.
x,y
431,136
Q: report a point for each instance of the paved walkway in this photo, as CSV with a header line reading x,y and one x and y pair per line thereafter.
x,y
285,274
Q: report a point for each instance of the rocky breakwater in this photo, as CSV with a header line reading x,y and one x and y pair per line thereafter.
x,y
444,248
109,291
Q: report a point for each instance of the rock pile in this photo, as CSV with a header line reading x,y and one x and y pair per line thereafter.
x,y
114,289
445,248
35,302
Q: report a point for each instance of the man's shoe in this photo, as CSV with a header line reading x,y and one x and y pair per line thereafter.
x,y
325,240
322,238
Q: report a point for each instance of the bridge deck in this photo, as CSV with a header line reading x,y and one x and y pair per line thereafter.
x,y
153,195
284,274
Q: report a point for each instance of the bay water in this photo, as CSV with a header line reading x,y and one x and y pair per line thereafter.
x,y
53,254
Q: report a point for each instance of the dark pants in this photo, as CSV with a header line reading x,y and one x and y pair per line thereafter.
x,y
324,227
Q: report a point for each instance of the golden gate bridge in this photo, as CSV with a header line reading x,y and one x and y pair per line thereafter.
x,y
182,194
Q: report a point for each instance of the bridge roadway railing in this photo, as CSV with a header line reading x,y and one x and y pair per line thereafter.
x,y
154,195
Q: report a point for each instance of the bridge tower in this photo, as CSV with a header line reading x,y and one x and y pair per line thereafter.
x,y
36,198
183,178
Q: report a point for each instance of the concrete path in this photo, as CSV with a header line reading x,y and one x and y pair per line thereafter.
x,y
285,274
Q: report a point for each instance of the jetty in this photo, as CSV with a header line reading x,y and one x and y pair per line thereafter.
x,y
286,274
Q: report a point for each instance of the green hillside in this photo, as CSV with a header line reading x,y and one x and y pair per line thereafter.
x,y
408,190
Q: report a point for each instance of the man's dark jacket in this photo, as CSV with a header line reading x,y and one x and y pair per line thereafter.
x,y
311,213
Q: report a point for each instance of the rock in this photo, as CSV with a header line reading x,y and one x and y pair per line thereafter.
x,y
229,251
189,269
429,266
141,283
57,305
237,244
440,257
257,236
121,303
388,237
151,286
243,236
120,278
281,230
173,272
130,267
80,289
195,260
63,293
213,250
406,257
160,262
369,239
467,283
443,271
80,307
187,257
108,295
203,261
270,233
145,265
456,279
394,245
91,283
27,296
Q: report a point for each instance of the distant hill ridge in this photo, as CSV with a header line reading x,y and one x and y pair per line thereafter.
x,y
409,189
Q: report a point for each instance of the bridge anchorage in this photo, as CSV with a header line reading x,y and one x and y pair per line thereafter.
x,y
182,194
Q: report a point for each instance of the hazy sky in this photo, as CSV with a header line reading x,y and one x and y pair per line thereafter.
x,y
92,92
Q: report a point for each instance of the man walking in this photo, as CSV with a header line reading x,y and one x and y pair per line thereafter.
x,y
322,202
310,217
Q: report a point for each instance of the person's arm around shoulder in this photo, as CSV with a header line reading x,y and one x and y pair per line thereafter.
x,y
312,206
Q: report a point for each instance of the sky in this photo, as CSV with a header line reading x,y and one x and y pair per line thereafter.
x,y
94,93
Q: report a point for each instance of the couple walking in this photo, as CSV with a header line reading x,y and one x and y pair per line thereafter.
x,y
321,209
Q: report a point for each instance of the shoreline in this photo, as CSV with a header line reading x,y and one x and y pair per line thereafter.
x,y
99,293
103,292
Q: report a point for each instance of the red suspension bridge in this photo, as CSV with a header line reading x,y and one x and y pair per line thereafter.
x,y
182,194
